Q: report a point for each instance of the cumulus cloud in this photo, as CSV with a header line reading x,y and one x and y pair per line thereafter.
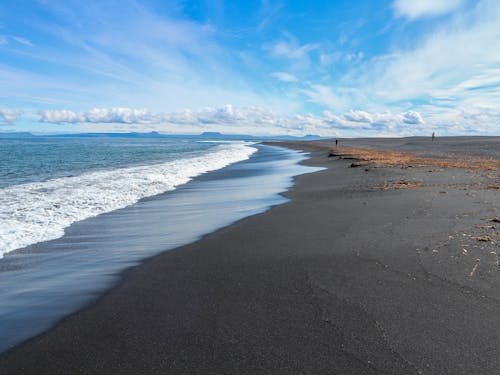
x,y
253,120
99,115
413,9
60,116
9,115
226,115
380,122
358,116
119,115
412,117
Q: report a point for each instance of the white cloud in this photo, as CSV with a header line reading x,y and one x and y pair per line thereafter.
x,y
118,115
60,116
284,77
359,116
326,96
290,49
226,115
354,57
379,122
22,40
98,115
448,73
3,40
9,115
248,120
471,119
158,60
413,9
412,117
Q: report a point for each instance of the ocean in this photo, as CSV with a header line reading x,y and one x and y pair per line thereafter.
x,y
48,184
76,212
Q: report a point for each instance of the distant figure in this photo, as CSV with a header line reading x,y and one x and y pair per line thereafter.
x,y
336,143
433,136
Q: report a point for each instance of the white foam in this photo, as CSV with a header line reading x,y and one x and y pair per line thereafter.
x,y
36,212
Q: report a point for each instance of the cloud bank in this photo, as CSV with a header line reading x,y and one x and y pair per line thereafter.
x,y
252,120
98,115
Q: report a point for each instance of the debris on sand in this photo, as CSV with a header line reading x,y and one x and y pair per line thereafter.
x,y
358,164
486,227
401,184
483,238
474,268
496,219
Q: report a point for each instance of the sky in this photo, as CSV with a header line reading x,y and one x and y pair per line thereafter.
x,y
337,68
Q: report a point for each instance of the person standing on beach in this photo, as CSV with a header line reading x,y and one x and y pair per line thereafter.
x,y
433,136
336,143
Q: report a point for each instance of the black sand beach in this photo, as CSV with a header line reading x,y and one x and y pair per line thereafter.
x,y
367,270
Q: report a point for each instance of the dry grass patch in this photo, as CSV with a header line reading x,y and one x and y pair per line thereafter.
x,y
410,159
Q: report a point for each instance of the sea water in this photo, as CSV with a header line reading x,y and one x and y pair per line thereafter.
x,y
48,184
75,212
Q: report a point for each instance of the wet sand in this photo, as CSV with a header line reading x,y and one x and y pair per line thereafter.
x,y
367,270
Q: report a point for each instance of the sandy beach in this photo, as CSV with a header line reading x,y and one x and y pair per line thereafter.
x,y
374,266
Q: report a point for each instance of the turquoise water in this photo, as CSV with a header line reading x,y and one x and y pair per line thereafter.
x,y
40,159
47,184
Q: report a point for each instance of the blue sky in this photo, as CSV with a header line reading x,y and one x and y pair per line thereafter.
x,y
339,68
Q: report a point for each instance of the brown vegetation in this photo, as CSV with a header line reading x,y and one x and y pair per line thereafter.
x,y
410,159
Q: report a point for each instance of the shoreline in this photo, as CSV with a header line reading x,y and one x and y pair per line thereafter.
x,y
45,282
347,277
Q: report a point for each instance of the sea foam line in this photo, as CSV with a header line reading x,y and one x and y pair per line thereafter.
x,y
40,211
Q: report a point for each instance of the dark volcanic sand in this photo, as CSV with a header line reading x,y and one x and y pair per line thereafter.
x,y
347,278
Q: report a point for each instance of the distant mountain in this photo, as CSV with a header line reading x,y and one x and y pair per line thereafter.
x,y
217,135
16,135
204,135
110,135
211,134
